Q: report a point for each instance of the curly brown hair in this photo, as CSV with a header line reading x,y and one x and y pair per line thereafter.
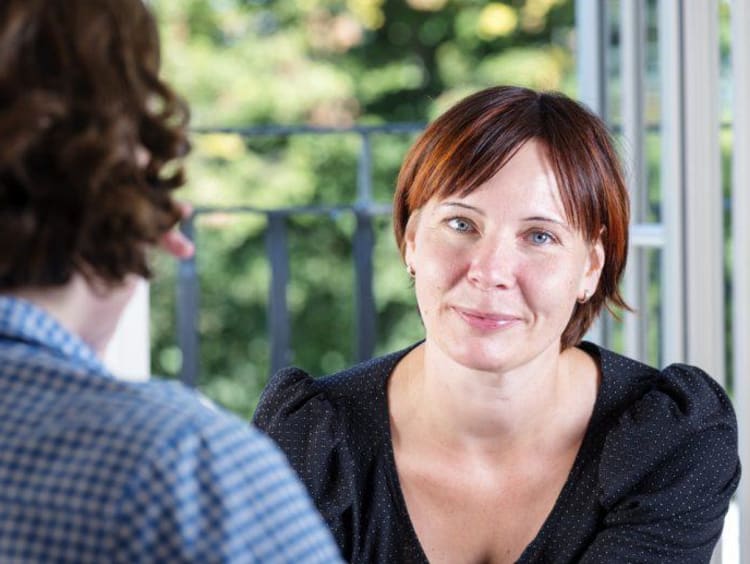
x,y
90,134
470,142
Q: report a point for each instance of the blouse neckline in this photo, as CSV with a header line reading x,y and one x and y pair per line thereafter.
x,y
587,444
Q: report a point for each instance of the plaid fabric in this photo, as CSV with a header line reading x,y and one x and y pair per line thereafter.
x,y
93,469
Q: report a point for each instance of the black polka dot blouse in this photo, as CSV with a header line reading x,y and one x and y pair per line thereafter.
x,y
651,482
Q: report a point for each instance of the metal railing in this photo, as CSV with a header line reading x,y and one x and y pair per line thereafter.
x,y
363,210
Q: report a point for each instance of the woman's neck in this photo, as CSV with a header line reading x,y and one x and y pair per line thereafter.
x,y
463,410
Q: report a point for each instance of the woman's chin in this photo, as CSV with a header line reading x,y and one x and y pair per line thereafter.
x,y
484,357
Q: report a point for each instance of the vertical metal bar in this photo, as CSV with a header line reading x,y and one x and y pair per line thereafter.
x,y
591,63
363,245
674,334
278,315
740,14
703,222
188,292
591,49
632,54
364,172
703,233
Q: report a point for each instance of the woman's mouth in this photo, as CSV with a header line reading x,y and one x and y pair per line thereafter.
x,y
487,320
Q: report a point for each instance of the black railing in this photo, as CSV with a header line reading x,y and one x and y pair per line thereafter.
x,y
277,252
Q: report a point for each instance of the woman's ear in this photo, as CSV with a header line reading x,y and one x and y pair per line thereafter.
x,y
594,265
410,236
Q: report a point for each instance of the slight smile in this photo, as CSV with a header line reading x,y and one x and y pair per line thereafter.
x,y
487,321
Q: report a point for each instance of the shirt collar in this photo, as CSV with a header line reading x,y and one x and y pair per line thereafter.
x,y
22,321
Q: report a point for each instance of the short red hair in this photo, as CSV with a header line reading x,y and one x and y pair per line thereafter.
x,y
469,143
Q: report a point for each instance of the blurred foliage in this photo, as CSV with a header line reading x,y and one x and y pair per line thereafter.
x,y
331,63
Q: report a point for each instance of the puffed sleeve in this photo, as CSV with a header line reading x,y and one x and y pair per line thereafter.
x,y
668,470
297,414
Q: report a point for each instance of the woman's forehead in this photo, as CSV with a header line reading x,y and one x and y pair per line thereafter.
x,y
526,179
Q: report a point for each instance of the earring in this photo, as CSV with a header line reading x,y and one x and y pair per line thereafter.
x,y
410,270
585,297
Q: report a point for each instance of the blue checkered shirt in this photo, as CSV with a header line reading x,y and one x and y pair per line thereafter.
x,y
93,469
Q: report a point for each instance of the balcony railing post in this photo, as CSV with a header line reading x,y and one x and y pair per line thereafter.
x,y
188,291
278,316
364,243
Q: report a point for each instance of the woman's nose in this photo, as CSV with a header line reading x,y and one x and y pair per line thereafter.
x,y
493,265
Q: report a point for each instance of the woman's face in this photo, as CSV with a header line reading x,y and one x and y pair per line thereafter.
x,y
498,271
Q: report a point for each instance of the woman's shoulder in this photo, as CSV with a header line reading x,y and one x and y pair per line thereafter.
x,y
675,424
331,429
301,412
682,396
292,392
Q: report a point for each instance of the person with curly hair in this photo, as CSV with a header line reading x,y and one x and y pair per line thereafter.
x,y
93,469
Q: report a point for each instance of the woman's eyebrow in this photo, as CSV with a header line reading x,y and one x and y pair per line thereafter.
x,y
542,218
462,205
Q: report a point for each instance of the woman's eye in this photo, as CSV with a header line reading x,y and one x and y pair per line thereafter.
x,y
459,224
541,237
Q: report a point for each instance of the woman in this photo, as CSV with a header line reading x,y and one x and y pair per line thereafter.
x,y
502,437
